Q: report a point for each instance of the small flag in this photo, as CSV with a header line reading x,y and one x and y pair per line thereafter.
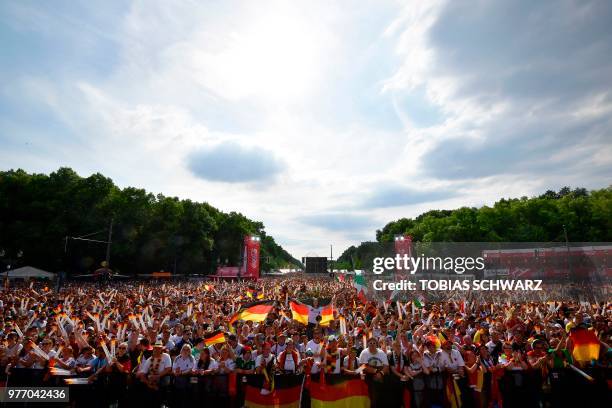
x,y
215,337
419,303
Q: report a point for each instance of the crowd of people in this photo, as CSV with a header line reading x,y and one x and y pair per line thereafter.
x,y
153,342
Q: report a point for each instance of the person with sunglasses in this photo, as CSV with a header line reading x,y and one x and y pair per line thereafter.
x,y
118,374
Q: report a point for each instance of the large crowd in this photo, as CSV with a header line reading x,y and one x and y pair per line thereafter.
x,y
146,343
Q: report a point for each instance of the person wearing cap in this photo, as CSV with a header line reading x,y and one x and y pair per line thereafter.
x,y
451,359
307,362
280,345
332,356
145,351
155,368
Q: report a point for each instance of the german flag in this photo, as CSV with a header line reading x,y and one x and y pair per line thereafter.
x,y
327,315
256,311
437,340
299,312
586,344
287,392
214,338
339,391
325,311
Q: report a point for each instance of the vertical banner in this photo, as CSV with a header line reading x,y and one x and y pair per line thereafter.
x,y
403,246
251,256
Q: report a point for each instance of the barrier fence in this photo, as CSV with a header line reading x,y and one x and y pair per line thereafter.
x,y
524,389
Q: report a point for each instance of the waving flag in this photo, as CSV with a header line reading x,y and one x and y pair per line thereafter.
x,y
362,290
299,312
214,338
586,344
256,311
326,313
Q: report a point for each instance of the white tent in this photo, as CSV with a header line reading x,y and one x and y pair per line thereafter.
x,y
28,272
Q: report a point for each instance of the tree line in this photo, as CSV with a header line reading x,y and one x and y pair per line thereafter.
x,y
150,232
585,216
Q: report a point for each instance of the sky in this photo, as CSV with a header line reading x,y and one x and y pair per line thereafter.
x,y
324,120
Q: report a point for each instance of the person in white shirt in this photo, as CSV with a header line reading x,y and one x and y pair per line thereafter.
x,y
153,369
184,363
316,343
47,346
451,359
183,367
232,340
66,361
166,340
205,364
350,363
431,357
83,361
281,345
316,346
13,348
289,360
264,358
375,360
226,361
178,334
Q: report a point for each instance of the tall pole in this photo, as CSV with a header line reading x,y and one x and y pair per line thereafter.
x,y
331,258
108,243
569,269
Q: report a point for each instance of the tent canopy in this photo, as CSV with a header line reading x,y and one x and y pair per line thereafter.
x,y
28,272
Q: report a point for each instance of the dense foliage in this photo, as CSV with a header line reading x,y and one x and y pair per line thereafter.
x,y
150,232
587,217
